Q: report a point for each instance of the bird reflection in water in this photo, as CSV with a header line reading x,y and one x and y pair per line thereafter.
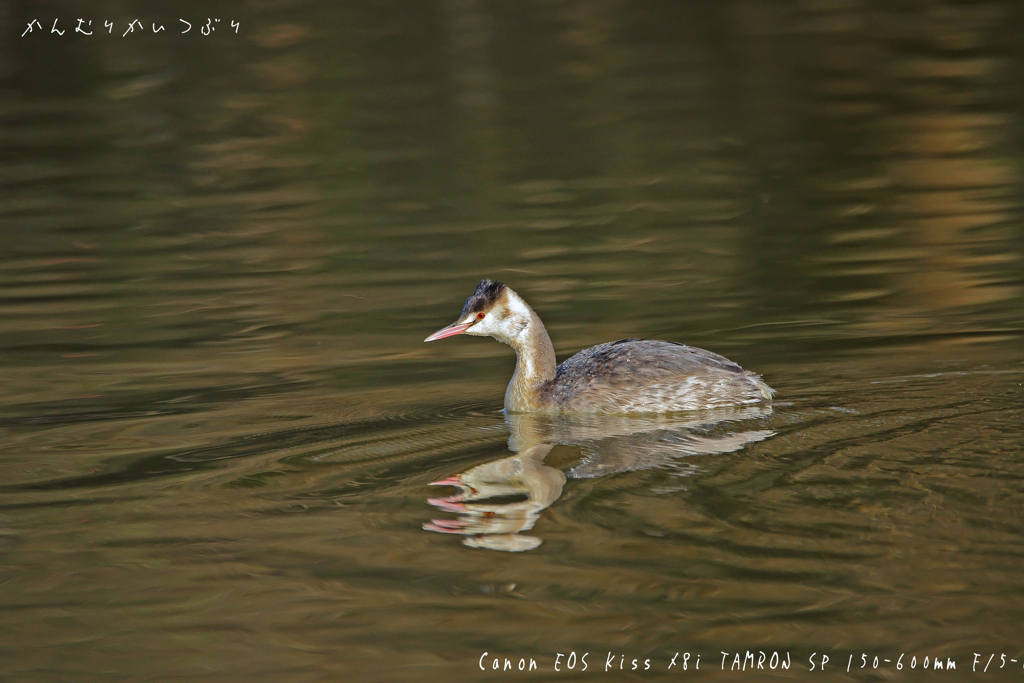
x,y
497,501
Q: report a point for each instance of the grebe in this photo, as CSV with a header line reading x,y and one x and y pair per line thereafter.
x,y
625,376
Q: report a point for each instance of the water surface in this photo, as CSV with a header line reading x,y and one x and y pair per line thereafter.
x,y
221,255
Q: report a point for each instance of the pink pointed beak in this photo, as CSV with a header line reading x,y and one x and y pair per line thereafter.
x,y
450,331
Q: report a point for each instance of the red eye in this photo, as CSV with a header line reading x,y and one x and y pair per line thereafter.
x,y
480,316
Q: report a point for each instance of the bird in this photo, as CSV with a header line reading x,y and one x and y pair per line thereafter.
x,y
620,377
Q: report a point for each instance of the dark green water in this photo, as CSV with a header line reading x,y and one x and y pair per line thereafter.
x,y
220,255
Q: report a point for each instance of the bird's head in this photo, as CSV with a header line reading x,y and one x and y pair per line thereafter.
x,y
493,310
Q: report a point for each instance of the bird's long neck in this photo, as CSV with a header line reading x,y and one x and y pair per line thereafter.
x,y
535,360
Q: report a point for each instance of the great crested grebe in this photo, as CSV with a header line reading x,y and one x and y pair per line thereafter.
x,y
625,376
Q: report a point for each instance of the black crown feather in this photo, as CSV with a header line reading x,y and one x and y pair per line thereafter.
x,y
487,292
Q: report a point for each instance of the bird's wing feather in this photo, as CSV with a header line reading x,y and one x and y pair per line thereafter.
x,y
623,368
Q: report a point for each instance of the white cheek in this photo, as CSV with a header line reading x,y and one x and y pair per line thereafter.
x,y
488,327
490,324
481,329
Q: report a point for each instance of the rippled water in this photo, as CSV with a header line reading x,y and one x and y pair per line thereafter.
x,y
220,425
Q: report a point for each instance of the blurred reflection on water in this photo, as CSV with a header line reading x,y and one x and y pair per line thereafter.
x,y
221,255
499,499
